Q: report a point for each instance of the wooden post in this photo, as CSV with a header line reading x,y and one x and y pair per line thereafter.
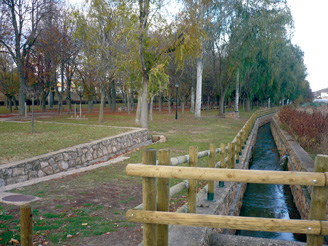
x,y
222,162
163,197
242,138
229,156
26,225
192,191
318,199
210,193
149,197
233,155
238,148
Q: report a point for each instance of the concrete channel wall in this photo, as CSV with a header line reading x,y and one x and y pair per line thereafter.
x,y
298,160
73,157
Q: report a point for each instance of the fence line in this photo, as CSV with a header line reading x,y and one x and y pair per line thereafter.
x,y
315,228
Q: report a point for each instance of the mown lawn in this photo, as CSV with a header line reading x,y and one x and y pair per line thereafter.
x,y
17,142
89,208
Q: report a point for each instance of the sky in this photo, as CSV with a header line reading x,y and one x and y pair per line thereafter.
x,y
311,34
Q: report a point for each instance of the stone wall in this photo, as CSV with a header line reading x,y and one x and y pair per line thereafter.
x,y
72,158
298,160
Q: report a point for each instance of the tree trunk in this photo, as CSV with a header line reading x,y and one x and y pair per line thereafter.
x,y
144,104
44,102
60,103
52,97
151,108
192,100
113,106
248,104
221,106
102,104
10,105
160,101
129,104
169,103
90,106
269,102
32,115
237,92
22,88
182,108
199,64
138,113
125,97
109,98
69,97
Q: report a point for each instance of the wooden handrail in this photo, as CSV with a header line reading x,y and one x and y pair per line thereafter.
x,y
233,175
228,222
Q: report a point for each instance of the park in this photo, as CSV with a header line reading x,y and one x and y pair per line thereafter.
x,y
125,123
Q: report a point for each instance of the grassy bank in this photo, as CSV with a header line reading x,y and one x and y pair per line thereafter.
x,y
17,142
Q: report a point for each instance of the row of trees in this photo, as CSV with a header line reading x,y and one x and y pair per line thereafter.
x,y
216,48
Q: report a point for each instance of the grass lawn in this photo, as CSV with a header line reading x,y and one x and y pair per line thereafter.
x,y
17,142
89,208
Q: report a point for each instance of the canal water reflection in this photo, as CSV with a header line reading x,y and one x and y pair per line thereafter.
x,y
269,201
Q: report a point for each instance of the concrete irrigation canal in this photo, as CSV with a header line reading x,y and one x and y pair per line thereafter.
x,y
269,201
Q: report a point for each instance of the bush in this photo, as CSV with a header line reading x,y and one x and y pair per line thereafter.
x,y
310,130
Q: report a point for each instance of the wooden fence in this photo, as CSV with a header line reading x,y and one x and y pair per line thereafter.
x,y
157,219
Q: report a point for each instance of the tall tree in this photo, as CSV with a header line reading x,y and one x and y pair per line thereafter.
x,y
19,30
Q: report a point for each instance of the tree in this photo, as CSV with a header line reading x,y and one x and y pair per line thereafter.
x,y
20,29
9,81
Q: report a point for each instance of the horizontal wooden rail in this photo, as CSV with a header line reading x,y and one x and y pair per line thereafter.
x,y
227,222
234,175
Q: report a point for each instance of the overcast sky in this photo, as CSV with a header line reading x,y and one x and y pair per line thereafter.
x,y
311,34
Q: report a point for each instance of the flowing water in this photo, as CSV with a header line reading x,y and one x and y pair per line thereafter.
x,y
268,201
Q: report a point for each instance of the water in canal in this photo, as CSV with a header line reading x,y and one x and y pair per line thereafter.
x,y
269,201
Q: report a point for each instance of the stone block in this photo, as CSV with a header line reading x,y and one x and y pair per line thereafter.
x,y
63,165
2,182
41,174
58,157
55,167
10,181
48,170
88,156
67,156
8,172
18,171
22,178
32,175
71,163
44,164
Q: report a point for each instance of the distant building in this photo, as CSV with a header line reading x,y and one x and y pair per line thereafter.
x,y
324,95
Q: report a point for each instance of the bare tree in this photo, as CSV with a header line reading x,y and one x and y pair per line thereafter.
x,y
19,30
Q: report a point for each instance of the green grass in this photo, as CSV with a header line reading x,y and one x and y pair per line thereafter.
x,y
17,142
57,214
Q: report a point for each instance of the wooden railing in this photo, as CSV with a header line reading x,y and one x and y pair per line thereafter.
x,y
155,215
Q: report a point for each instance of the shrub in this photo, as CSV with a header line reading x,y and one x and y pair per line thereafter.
x,y
310,130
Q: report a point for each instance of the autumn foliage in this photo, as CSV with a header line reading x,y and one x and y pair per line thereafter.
x,y
309,129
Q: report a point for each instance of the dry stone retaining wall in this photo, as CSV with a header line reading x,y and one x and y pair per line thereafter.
x,y
72,158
